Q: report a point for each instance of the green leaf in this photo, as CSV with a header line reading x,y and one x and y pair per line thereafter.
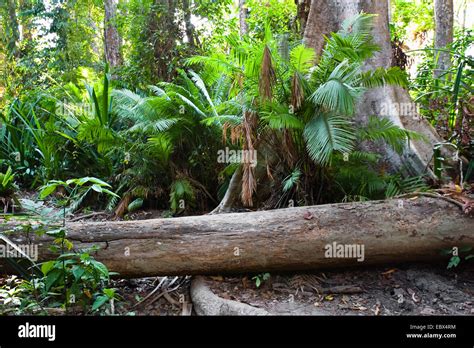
x,y
47,266
135,205
110,293
100,267
77,271
52,278
97,188
58,233
291,180
87,179
454,262
110,193
99,302
67,255
47,190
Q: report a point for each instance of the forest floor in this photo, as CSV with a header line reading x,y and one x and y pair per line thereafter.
x,y
402,290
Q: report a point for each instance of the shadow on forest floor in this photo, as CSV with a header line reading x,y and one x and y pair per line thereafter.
x,y
401,290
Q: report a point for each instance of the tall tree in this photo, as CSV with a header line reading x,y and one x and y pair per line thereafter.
x,y
26,6
243,15
444,21
189,26
389,102
302,13
113,41
11,28
163,33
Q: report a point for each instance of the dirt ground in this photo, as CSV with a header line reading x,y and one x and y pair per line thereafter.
x,y
402,290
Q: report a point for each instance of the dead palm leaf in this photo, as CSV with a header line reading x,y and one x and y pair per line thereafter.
x,y
267,76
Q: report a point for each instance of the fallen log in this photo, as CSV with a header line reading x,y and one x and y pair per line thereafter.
x,y
399,230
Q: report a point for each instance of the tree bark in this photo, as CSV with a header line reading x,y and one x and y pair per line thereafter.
x,y
291,239
302,13
444,21
26,20
243,14
389,102
163,33
232,193
113,41
190,29
12,29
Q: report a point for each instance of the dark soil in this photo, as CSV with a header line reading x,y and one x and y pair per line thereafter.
x,y
407,290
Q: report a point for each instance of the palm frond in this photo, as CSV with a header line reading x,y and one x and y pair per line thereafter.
x,y
398,186
202,87
381,77
291,180
327,133
341,92
182,194
384,129
267,75
278,117
302,58
161,146
361,24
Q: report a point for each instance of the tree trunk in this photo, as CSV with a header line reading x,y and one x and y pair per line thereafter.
x,y
232,193
292,239
113,41
444,21
163,34
12,29
26,20
243,14
190,30
302,12
389,102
